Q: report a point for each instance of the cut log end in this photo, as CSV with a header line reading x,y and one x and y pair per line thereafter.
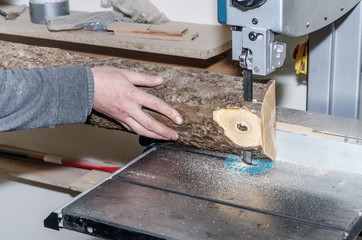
x,y
241,126
251,128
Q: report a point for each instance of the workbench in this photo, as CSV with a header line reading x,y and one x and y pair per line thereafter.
x,y
212,41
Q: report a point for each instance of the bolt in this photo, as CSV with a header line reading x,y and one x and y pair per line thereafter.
x,y
253,36
255,21
342,8
236,28
325,18
308,24
256,69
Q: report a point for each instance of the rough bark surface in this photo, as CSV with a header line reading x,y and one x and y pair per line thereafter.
x,y
195,94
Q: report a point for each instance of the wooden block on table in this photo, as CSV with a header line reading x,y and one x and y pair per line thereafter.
x,y
168,31
185,38
169,28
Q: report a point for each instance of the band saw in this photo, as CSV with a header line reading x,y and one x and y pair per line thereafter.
x,y
314,190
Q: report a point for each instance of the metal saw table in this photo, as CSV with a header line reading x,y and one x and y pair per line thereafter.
x,y
177,192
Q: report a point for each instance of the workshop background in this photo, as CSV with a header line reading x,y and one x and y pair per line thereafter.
x,y
24,204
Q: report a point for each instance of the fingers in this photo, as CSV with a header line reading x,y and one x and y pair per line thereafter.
x,y
150,124
158,105
141,79
141,130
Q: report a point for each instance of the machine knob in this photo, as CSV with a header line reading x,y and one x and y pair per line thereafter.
x,y
248,3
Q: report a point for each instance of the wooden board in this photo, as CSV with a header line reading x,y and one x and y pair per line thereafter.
x,y
213,40
167,31
169,28
72,178
183,38
320,125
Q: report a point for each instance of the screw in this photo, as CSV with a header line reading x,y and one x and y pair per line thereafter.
x,y
236,28
308,24
342,8
253,36
255,21
325,18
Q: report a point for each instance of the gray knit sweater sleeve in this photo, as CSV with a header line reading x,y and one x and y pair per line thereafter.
x,y
45,97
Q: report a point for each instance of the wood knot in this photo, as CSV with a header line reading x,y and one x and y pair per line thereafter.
x,y
242,127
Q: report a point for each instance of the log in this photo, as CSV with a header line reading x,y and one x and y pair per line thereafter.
x,y
215,115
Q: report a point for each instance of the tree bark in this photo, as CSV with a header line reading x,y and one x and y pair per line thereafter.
x,y
215,115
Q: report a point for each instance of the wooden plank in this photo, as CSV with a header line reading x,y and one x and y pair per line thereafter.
x,y
61,176
170,31
61,160
88,180
183,38
169,28
319,125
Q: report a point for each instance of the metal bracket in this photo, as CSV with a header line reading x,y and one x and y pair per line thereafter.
x,y
256,50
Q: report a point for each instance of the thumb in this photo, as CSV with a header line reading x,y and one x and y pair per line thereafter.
x,y
142,79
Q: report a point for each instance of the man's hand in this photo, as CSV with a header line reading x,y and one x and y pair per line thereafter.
x,y
116,96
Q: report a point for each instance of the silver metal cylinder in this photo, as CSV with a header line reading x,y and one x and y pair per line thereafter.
x,y
38,11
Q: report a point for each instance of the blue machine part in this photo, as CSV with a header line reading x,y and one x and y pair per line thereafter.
x,y
221,11
235,164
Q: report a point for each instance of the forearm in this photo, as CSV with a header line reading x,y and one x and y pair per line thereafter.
x,y
45,97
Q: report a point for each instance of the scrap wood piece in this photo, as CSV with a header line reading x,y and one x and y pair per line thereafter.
x,y
172,31
197,95
169,28
75,179
183,38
